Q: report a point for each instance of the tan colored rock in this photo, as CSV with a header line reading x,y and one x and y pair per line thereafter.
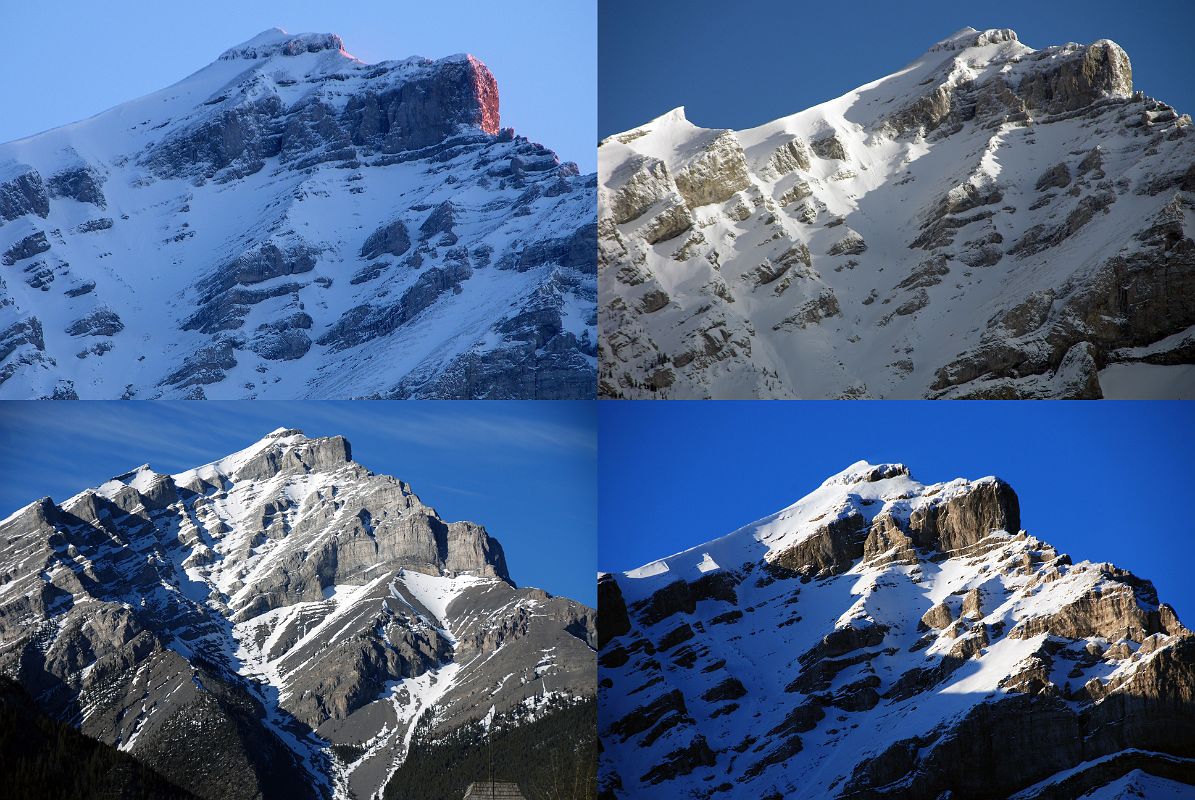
x,y
972,604
1113,614
830,550
1079,78
789,157
938,617
716,175
966,519
798,191
671,221
644,182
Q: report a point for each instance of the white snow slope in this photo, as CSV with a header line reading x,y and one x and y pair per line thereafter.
x,y
213,560
895,242
789,683
207,240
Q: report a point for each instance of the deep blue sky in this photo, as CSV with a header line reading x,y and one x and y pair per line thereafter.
x,y
69,59
738,65
1108,481
526,470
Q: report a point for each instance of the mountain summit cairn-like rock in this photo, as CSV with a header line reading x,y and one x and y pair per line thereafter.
x,y
883,638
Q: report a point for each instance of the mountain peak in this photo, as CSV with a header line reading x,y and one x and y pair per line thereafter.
x,y
675,115
277,42
866,472
871,634
967,37
777,227
280,450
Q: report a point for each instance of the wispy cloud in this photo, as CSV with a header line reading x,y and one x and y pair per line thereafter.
x,y
79,444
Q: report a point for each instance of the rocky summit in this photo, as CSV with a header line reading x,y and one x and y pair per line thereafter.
x,y
290,222
992,221
882,638
276,623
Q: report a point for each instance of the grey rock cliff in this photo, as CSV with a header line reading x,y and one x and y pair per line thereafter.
x,y
230,624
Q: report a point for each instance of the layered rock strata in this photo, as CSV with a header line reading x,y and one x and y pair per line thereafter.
x,y
275,623
992,221
887,639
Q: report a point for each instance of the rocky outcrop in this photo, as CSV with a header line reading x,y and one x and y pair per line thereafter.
x,y
28,247
284,339
313,595
831,549
101,322
612,611
22,192
1041,734
392,238
828,146
965,520
642,182
82,183
422,109
1078,76
676,193
877,605
715,175
298,131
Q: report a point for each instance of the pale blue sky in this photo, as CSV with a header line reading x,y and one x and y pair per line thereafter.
x,y
524,469
69,59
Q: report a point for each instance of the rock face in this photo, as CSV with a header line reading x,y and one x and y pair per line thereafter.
x,y
1054,259
286,603
338,229
885,639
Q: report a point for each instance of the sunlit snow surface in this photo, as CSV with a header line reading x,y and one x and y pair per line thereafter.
x,y
783,619
886,189
220,548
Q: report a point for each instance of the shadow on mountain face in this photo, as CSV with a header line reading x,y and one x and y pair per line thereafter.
x,y
762,653
984,746
47,759
220,735
1002,748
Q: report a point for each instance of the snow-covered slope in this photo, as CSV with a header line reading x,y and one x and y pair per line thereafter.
x,y
282,613
990,221
882,638
290,222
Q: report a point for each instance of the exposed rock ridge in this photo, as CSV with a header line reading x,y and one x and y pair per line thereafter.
x,y
281,614
773,231
883,638
389,239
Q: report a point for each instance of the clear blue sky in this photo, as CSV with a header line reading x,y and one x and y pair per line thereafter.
x,y
69,59
1107,481
741,64
526,470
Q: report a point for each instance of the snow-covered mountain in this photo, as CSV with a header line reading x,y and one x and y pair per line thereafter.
x,y
882,638
290,222
275,623
991,221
